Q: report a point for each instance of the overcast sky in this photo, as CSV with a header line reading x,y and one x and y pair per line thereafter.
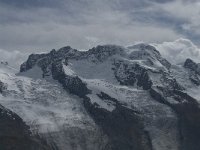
x,y
41,25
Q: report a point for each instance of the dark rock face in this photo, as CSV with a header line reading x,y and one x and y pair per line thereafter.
x,y
32,60
123,127
195,79
15,134
2,87
75,86
189,117
191,65
101,53
71,83
129,74
189,126
194,69
189,114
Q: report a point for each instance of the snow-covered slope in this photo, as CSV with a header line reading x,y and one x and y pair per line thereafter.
x,y
107,98
47,108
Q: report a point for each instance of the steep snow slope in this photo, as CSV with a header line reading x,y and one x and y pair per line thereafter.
x,y
47,108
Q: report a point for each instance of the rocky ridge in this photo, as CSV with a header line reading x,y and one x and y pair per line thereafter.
x,y
136,98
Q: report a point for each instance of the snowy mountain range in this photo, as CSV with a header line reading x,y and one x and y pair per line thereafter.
x,y
107,98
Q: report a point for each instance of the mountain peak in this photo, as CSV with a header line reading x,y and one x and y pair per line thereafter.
x,y
149,53
143,46
190,64
107,49
87,93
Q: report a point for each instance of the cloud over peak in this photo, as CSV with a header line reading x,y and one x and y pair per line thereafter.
x,y
175,51
43,24
179,50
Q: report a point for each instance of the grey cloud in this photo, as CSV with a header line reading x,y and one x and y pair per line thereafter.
x,y
179,50
35,25
15,58
30,3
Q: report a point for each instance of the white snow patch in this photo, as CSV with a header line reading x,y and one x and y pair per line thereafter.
x,y
89,70
68,70
195,92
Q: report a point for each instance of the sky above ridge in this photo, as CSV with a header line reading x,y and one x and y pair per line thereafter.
x,y
46,24
40,25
